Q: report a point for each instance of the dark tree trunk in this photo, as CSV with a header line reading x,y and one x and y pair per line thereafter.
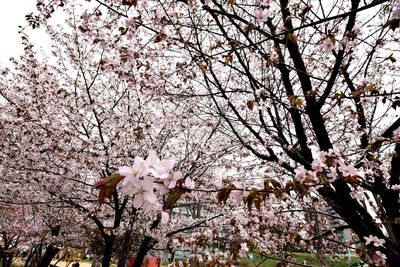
x,y
108,247
9,260
4,254
125,248
51,250
144,248
146,245
29,257
6,259
50,253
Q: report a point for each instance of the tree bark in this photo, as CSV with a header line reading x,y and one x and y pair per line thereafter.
x,y
393,258
107,253
146,245
125,248
51,252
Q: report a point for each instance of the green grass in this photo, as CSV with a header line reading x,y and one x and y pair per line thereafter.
x,y
306,258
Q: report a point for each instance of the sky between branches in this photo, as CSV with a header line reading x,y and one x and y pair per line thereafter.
x,y
12,15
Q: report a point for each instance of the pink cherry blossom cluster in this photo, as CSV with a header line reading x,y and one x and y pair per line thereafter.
x,y
327,46
378,258
301,175
262,13
336,163
147,176
377,242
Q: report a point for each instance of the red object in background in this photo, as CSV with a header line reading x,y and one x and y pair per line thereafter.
x,y
130,261
152,262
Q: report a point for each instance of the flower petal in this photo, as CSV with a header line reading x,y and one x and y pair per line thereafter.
x,y
138,201
125,171
164,217
148,183
149,196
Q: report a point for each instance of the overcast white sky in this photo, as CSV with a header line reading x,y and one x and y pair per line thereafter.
x,y
12,14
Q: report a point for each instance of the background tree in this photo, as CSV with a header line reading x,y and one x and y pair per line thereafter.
x,y
79,119
301,93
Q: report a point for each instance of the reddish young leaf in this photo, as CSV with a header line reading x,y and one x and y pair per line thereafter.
x,y
106,186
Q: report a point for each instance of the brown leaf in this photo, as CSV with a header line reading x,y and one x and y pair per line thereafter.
x,y
249,28
173,196
289,185
263,95
129,2
391,58
257,203
83,28
106,186
292,38
250,104
301,189
295,101
203,67
254,198
371,88
273,182
249,201
123,30
223,194
228,59
159,37
338,97
353,179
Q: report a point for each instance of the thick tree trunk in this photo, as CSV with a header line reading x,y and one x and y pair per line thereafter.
x,y
363,225
392,252
125,248
50,253
51,250
144,248
146,245
108,247
29,257
6,259
9,260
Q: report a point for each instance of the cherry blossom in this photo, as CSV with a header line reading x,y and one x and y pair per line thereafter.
x,y
262,14
317,165
327,45
164,217
159,168
265,2
377,242
243,249
299,136
347,170
143,192
301,175
171,180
